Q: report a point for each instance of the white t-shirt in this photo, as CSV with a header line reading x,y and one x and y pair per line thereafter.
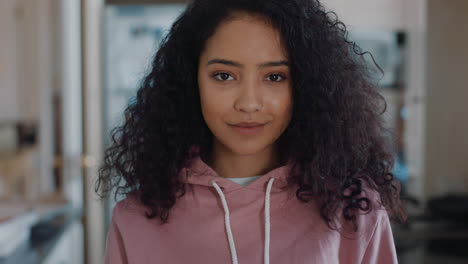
x,y
244,181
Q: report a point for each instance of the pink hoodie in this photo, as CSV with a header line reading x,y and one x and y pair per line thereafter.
x,y
224,222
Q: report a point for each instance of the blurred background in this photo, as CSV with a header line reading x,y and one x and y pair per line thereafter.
x,y
69,67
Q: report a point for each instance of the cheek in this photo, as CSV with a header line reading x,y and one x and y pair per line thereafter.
x,y
213,103
206,98
281,105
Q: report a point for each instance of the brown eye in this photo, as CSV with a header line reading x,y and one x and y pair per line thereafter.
x,y
223,75
276,77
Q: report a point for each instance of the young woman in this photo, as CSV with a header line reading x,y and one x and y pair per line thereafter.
x,y
256,137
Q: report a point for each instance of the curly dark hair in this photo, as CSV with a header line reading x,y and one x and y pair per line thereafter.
x,y
336,137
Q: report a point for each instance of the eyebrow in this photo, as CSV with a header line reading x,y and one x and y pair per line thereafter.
x,y
237,64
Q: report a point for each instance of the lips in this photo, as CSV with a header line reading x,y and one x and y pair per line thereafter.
x,y
248,124
248,129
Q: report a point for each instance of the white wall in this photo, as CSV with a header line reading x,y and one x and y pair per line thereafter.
x,y
23,62
26,76
370,14
19,60
447,97
8,62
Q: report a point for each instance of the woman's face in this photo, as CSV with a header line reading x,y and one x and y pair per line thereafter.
x,y
243,76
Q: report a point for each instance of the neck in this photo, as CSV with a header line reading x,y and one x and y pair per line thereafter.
x,y
232,165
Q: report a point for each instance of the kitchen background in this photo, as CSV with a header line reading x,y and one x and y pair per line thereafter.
x,y
69,67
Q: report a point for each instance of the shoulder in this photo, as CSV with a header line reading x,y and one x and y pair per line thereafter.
x,y
123,229
374,214
128,210
376,225
376,219
372,242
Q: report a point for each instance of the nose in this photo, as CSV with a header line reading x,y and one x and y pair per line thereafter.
x,y
249,97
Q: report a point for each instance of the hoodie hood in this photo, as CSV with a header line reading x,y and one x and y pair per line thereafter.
x,y
200,173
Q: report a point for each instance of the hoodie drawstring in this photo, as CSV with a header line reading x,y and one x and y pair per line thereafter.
x,y
267,221
227,222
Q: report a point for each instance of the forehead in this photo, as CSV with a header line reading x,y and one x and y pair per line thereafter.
x,y
245,38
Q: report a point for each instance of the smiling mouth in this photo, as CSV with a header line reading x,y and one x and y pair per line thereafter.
x,y
248,124
248,130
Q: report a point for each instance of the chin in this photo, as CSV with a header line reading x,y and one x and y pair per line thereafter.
x,y
246,148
